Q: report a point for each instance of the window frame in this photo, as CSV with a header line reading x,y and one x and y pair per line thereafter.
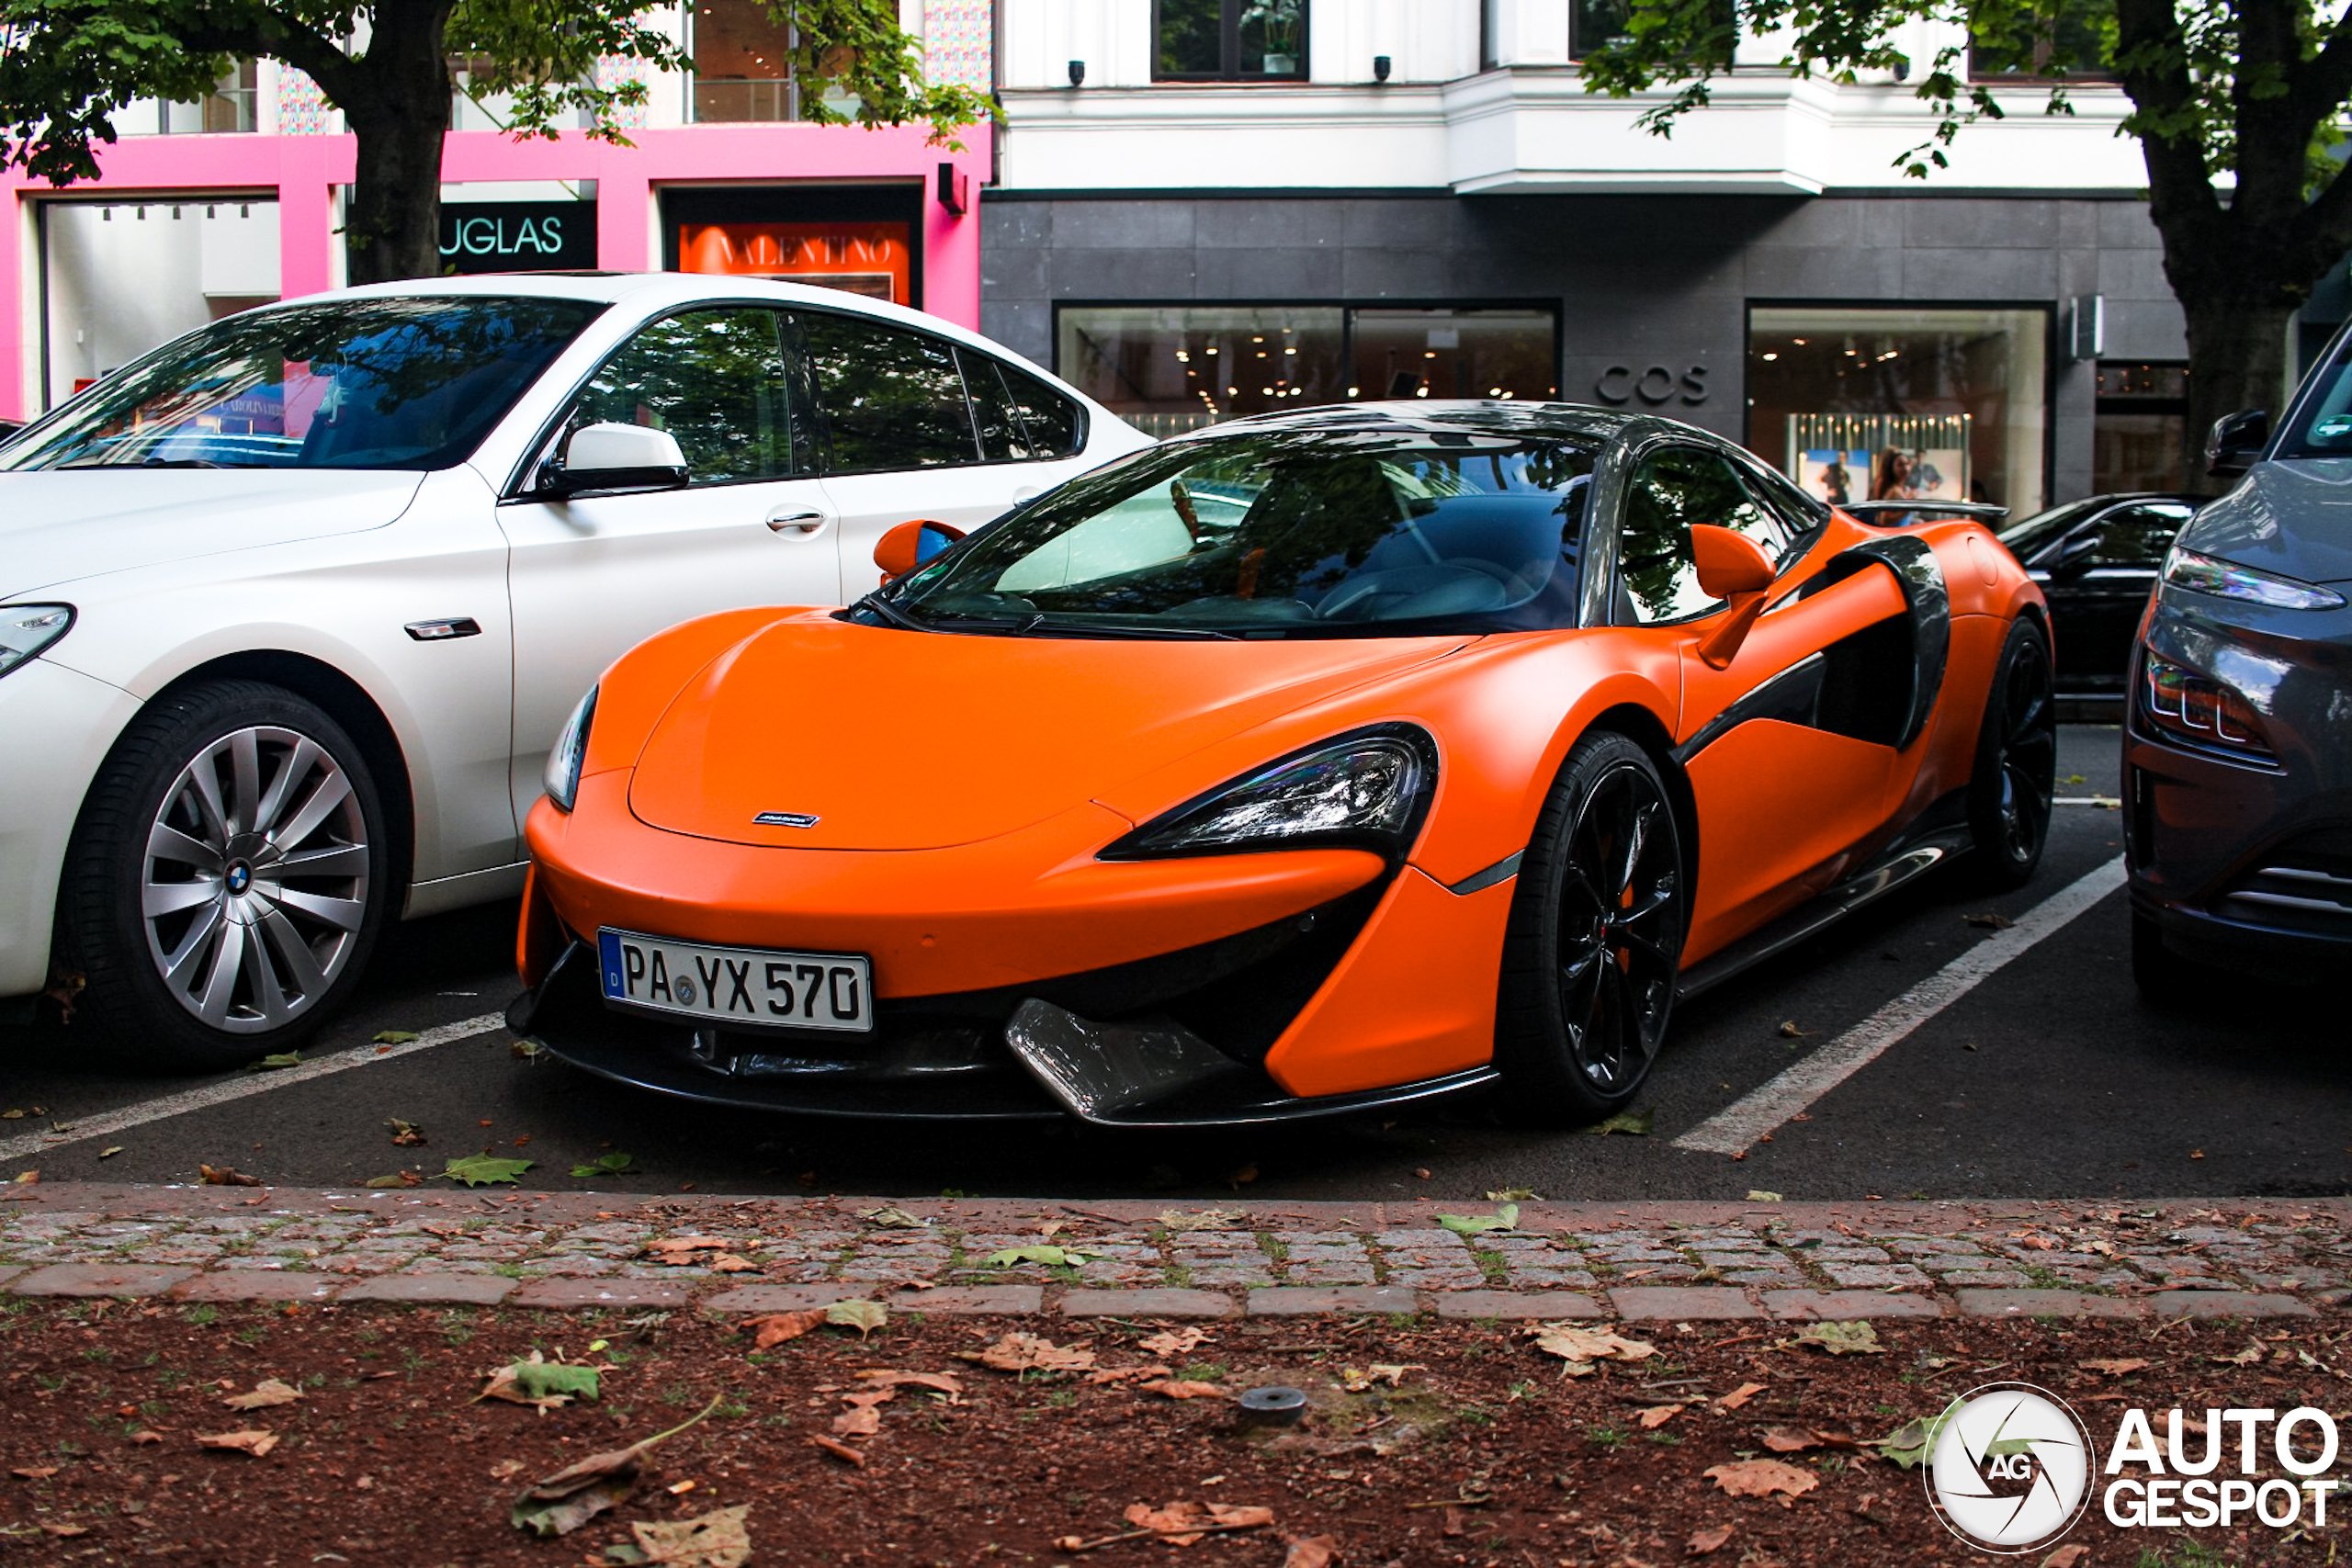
x,y
804,383
1229,49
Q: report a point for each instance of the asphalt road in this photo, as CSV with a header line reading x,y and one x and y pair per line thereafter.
x,y
2051,1078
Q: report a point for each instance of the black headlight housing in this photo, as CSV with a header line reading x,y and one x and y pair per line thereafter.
x,y
1369,788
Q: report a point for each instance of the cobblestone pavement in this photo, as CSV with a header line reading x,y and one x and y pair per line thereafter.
x,y
1658,1261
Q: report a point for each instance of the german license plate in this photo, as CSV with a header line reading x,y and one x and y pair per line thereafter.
x,y
738,985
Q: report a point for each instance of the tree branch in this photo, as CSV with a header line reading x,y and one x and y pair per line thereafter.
x,y
2151,59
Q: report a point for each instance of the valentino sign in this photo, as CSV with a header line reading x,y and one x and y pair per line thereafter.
x,y
517,236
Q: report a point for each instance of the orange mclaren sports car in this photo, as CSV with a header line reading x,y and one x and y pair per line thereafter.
x,y
1298,765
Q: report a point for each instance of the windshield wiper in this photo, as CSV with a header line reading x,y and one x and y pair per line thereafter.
x,y
1040,627
891,613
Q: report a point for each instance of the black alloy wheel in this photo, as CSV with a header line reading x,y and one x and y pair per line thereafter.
x,y
2016,763
1595,940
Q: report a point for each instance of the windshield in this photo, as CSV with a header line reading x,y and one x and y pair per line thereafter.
x,y
2029,534
2321,424
408,383
1296,534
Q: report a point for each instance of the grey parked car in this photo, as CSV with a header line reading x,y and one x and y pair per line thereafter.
x,y
2238,749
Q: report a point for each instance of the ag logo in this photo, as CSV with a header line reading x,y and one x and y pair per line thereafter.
x,y
2010,1468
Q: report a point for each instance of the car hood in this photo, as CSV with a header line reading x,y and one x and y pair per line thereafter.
x,y
905,740
2292,517
57,525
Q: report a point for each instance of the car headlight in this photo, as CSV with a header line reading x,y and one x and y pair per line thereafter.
x,y
570,749
2227,580
26,629
1371,788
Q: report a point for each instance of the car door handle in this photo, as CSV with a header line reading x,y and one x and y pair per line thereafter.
x,y
803,521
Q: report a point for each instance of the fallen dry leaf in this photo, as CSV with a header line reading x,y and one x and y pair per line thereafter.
x,y
728,1263
1706,1540
506,1469
1177,1389
1027,1353
1788,1439
64,1528
1312,1552
2066,1556
1180,1520
1580,1347
226,1176
266,1392
721,1539
1172,1342
34,1471
1762,1478
1857,1338
256,1443
777,1327
838,1449
1657,1416
1128,1374
684,1249
2114,1368
1740,1395
943,1383
571,1496
861,1419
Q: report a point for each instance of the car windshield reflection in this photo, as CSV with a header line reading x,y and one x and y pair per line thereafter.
x,y
1322,534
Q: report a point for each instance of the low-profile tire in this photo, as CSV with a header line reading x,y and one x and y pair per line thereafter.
x,y
1594,938
2016,763
227,880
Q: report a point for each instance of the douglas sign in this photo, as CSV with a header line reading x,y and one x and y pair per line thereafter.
x,y
517,236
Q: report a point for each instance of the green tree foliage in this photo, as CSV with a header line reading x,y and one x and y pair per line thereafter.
x,y
66,65
2237,106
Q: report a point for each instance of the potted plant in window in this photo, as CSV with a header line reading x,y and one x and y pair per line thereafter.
x,y
1277,22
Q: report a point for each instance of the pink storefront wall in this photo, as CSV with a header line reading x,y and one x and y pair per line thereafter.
x,y
301,172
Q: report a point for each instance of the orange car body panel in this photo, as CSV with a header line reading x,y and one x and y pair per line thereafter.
x,y
964,786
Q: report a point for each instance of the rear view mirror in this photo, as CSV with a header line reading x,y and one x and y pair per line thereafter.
x,y
615,457
910,544
1732,567
2236,440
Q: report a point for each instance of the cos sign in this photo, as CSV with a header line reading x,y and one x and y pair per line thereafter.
x,y
517,236
1654,385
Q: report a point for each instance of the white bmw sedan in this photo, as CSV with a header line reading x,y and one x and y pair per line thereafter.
x,y
292,609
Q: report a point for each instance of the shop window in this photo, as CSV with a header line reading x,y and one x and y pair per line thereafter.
x,y
742,64
228,108
2140,429
712,379
1895,404
1174,367
2072,40
1228,40
120,278
871,259
891,399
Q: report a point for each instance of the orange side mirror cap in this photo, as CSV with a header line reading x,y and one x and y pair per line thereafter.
x,y
1729,562
900,551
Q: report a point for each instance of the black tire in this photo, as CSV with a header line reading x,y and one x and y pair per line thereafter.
x,y
1594,938
234,830
2016,763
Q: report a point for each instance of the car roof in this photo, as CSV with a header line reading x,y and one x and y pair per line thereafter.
x,y
1445,416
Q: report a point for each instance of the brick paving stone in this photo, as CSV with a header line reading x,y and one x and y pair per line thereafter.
x,y
2226,1304
257,1285
1769,1277
564,1294
1161,1302
2044,1304
978,1301
1516,1303
466,1290
1681,1302
1437,1278
1215,1276
97,1279
1843,1305
1439,1240
1340,1274
772,1298
1987,1279
1527,1277
1878,1275
1285,1301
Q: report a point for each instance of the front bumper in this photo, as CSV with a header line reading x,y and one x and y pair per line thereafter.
x,y
1022,977
2247,865
56,727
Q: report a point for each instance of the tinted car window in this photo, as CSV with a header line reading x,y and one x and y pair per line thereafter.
x,y
1672,490
1290,534
1054,426
1001,436
892,399
2322,425
410,383
2030,535
2137,535
712,379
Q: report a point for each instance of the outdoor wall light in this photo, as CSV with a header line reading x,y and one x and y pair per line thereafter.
x,y
1380,68
1078,73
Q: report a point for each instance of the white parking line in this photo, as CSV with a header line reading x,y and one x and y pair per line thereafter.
x,y
146,1110
1766,1107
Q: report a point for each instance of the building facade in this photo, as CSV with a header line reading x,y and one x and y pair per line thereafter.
x,y
207,208
1209,208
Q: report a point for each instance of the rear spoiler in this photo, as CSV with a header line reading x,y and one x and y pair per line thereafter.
x,y
1872,512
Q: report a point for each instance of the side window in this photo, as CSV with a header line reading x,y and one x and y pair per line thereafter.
x,y
892,399
1673,490
1055,427
1002,437
712,379
2137,536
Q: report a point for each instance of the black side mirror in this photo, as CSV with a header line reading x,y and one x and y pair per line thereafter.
x,y
2236,440
2074,555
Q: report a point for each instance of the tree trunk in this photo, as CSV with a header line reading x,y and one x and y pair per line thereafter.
x,y
2237,359
392,225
